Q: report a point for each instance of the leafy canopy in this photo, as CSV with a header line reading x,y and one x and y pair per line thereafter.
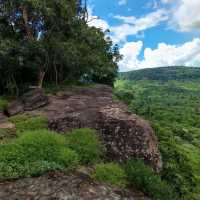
x,y
45,41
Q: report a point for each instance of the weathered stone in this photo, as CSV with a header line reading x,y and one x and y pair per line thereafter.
x,y
7,125
34,99
3,117
124,135
61,186
7,130
15,107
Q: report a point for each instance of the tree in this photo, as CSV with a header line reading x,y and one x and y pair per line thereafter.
x,y
45,40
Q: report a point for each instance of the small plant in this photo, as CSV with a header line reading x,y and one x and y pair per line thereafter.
x,y
6,135
145,179
26,123
34,153
110,173
87,145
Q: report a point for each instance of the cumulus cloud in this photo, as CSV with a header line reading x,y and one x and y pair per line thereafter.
x,y
130,52
132,25
187,54
186,15
96,21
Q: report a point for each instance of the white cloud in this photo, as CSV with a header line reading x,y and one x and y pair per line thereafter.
x,y
186,16
130,51
122,2
132,25
96,21
187,54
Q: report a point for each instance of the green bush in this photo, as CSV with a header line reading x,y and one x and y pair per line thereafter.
x,y
35,152
110,173
87,145
26,122
145,179
3,103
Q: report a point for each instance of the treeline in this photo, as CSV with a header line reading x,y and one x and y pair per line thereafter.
x,y
164,74
46,42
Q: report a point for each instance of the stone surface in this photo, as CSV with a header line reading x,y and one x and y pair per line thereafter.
x,y
32,100
124,135
61,186
14,108
3,117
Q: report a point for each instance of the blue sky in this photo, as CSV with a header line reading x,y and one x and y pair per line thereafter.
x,y
151,33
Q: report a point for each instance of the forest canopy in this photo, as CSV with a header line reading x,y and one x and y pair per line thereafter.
x,y
47,42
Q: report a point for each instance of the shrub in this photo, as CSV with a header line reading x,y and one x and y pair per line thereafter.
x,y
87,145
110,173
26,122
3,104
34,153
145,179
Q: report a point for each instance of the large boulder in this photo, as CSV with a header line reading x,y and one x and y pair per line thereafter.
x,y
32,100
61,186
124,134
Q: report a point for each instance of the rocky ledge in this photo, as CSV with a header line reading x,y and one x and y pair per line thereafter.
x,y
64,186
124,134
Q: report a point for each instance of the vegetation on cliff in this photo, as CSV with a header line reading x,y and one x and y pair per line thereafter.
x,y
171,103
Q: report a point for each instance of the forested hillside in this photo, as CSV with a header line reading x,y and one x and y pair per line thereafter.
x,y
170,99
164,74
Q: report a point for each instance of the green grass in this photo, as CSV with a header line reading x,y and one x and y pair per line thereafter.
x,y
145,179
34,153
110,173
26,122
87,144
7,135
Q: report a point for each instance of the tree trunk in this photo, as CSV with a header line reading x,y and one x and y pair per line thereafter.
x,y
28,30
41,76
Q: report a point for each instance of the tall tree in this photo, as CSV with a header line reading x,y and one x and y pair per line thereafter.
x,y
46,40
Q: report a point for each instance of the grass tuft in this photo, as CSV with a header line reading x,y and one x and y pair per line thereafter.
x,y
110,173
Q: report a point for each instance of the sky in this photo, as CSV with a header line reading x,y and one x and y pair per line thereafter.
x,y
150,33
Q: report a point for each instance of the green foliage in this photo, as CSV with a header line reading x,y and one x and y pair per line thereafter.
x,y
34,153
110,173
3,103
59,47
145,179
87,145
26,122
6,135
172,107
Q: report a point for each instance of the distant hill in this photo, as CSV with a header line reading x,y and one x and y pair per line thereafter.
x,y
164,74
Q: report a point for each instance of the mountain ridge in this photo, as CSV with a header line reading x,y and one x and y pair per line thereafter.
x,y
163,74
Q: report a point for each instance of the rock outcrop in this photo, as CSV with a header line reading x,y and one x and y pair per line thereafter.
x,y
3,117
29,101
61,186
124,135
